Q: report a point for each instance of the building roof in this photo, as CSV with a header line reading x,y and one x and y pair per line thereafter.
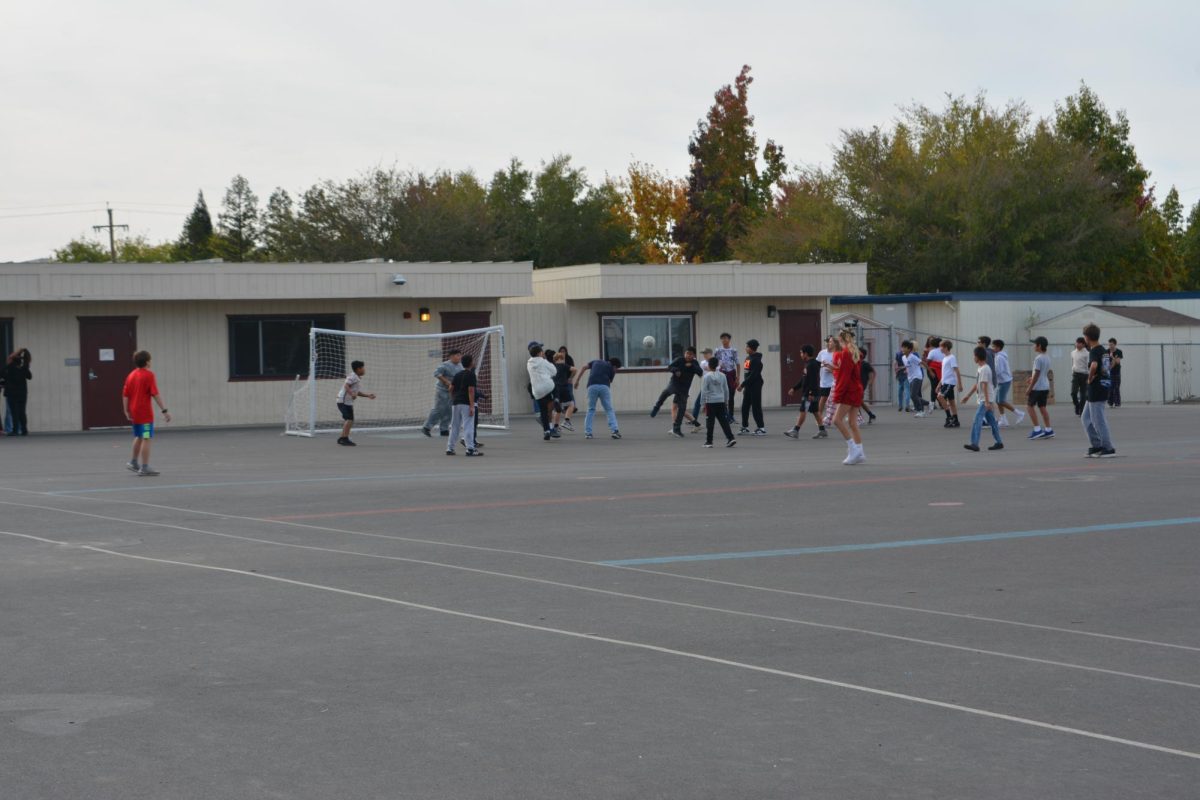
x,y
41,282
725,279
1151,315
1082,297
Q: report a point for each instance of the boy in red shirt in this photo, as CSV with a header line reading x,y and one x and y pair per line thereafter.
x,y
140,389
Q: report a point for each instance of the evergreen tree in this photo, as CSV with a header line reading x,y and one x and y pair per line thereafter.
x,y
1189,250
726,192
238,226
280,231
195,242
511,220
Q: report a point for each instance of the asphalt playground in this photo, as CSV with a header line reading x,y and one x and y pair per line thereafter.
x,y
279,617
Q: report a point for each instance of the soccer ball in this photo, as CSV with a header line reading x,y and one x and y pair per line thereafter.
x,y
648,342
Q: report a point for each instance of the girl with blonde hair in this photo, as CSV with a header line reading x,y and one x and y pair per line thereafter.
x,y
847,394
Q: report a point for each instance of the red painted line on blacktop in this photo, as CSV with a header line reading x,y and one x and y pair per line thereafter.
x,y
770,487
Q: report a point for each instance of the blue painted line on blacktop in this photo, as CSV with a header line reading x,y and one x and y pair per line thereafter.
x,y
851,548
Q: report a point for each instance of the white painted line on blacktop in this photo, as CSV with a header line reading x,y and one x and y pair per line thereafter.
x,y
925,701
629,596
675,575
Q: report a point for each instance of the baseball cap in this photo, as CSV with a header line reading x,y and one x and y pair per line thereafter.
x,y
534,343
1041,342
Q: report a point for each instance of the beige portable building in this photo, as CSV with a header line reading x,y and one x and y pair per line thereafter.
x,y
204,322
646,314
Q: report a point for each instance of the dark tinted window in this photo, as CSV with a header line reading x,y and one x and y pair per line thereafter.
x,y
278,346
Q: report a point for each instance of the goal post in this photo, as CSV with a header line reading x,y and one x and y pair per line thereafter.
x,y
399,371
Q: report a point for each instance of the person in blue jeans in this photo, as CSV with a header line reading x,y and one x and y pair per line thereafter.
x,y
1099,383
903,393
985,387
599,390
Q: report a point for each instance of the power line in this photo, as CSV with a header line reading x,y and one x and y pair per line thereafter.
x,y
112,237
51,213
51,205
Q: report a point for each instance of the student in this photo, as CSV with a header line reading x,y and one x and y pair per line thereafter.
x,y
984,412
1038,390
868,377
751,388
683,371
1002,375
350,391
931,360
705,356
727,355
807,386
916,374
599,388
440,413
714,392
1099,382
825,385
140,389
16,389
986,343
563,374
847,397
1114,391
541,386
951,380
462,416
903,400
1079,375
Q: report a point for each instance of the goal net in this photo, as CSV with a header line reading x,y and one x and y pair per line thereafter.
x,y
399,372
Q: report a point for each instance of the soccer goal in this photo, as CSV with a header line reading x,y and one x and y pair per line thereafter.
x,y
399,372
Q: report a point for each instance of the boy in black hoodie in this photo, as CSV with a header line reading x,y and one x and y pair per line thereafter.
x,y
683,370
751,389
807,387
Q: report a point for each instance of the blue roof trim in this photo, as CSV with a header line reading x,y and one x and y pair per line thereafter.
x,y
1095,297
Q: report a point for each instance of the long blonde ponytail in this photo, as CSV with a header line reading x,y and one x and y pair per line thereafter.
x,y
848,343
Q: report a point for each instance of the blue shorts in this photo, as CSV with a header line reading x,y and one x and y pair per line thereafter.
x,y
1002,390
143,431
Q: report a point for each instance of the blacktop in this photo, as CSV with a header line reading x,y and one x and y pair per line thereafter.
x,y
281,617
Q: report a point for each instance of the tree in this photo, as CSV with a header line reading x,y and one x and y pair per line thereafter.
x,y
1083,118
807,224
280,230
575,223
237,236
195,242
511,220
82,251
1189,250
1172,212
651,202
726,192
130,250
440,217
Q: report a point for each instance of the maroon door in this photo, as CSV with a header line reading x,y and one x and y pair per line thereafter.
x,y
796,329
106,347
465,321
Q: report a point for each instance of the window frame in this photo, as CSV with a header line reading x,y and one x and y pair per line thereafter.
x,y
311,319
627,366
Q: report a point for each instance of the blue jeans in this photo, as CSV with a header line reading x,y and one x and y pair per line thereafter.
x,y
604,394
1096,426
903,392
8,428
914,390
1002,391
984,414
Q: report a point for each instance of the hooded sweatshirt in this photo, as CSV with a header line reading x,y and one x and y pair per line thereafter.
x,y
714,388
541,376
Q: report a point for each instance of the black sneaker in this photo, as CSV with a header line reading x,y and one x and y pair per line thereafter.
x,y
545,436
654,412
443,433
731,442
1094,452
1110,452
616,434
473,453
744,432
974,448
449,452
708,445
677,434
347,443
427,432
794,433
554,434
997,446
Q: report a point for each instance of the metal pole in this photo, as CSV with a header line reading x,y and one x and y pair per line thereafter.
x,y
504,375
112,239
1162,360
312,382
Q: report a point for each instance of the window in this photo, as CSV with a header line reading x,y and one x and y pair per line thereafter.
x,y
647,341
6,338
276,346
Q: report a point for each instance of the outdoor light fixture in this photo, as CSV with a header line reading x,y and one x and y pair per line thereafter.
x,y
424,315
771,311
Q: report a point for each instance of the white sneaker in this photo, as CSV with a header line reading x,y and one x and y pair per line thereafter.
x,y
1003,423
857,456
1020,416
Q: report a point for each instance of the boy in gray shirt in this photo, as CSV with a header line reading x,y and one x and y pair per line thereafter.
x,y
444,376
1039,390
714,393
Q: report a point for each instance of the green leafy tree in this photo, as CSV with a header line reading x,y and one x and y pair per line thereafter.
x,y
726,190
651,202
130,250
575,222
1083,118
807,225
195,242
1172,212
238,230
281,239
1189,250
440,217
512,223
82,251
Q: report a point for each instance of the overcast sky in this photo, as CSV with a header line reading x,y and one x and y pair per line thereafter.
x,y
142,102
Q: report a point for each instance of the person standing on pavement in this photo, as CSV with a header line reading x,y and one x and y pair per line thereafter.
x,y
1079,375
443,376
599,389
714,394
16,389
1099,381
751,389
541,386
727,356
1115,356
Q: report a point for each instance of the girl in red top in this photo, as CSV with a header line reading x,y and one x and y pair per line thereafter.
x,y
848,395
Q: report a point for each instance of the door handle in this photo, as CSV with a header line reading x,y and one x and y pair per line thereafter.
x,y
92,376
788,360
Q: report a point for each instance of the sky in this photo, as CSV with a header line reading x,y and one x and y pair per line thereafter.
x,y
140,103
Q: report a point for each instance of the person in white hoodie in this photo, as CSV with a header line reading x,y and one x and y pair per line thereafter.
x,y
541,386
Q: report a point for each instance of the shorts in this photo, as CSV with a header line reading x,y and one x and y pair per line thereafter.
x,y
811,406
947,391
852,397
1038,397
1002,391
143,430
824,391
565,394
347,411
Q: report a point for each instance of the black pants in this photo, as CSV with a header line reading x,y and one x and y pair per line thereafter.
x,y
16,405
681,409
752,402
545,404
1079,391
718,414
1114,392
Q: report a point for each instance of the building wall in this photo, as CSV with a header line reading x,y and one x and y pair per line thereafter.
x,y
577,325
190,345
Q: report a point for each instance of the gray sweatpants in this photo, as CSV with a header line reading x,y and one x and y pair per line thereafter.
x,y
439,415
461,423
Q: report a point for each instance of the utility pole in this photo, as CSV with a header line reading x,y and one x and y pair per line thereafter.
x,y
112,239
